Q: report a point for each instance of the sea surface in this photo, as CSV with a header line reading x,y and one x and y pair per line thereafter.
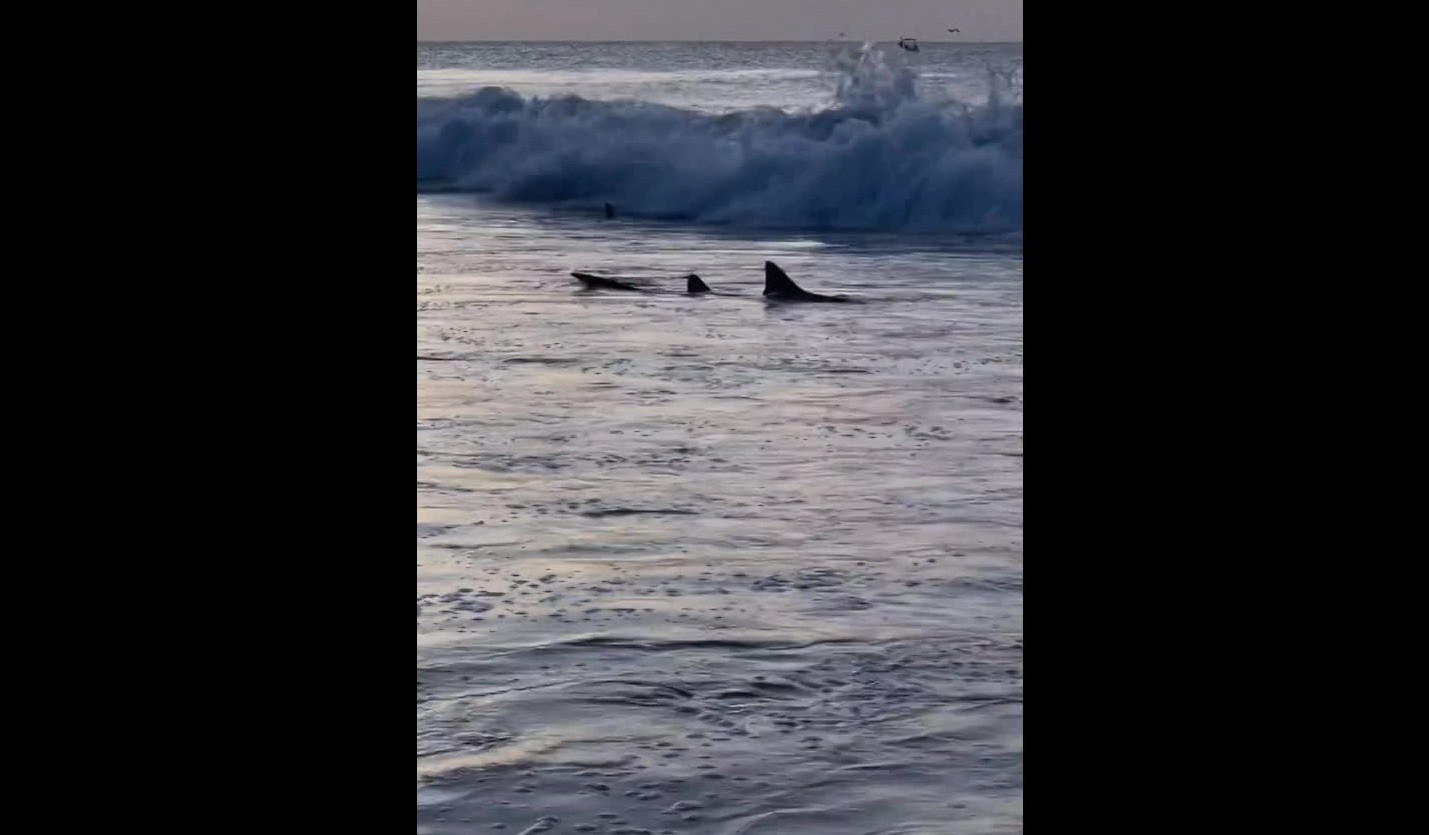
x,y
716,564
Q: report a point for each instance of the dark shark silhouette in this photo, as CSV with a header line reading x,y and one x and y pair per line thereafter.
x,y
778,285
608,283
693,284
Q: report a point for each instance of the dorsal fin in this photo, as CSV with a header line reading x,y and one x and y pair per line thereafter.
x,y
693,284
775,281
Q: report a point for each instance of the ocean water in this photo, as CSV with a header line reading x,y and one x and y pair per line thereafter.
x,y
714,564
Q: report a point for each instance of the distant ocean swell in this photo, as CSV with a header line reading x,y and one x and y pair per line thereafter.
x,y
880,159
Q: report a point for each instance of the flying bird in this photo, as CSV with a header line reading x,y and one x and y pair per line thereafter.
x,y
953,30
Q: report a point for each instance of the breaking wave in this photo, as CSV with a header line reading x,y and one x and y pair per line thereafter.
x,y
883,157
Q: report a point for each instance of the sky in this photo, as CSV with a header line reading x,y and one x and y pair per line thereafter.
x,y
717,20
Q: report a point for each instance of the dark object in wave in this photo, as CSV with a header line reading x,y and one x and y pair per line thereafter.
x,y
633,511
595,281
693,283
909,44
609,211
778,285
695,286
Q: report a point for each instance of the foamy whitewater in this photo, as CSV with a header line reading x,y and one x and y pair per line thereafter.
x,y
711,564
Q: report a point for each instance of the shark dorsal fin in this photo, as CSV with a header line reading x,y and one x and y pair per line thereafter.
x,y
776,282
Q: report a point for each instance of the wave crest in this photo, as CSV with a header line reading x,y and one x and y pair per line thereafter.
x,y
880,158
